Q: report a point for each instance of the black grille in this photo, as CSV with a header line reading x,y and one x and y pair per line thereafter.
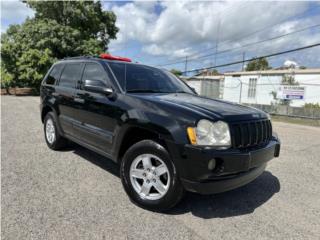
x,y
247,134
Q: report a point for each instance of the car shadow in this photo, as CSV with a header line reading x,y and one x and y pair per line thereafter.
x,y
240,201
237,202
95,158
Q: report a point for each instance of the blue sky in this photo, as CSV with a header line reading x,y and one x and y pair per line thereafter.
x,y
159,33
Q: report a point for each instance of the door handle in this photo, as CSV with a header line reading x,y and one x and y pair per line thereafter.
x,y
79,100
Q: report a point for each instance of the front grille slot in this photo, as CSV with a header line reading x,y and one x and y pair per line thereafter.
x,y
252,133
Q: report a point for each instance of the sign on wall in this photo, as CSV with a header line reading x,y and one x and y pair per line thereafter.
x,y
291,92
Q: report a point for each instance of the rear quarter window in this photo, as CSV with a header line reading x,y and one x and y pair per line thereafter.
x,y
54,74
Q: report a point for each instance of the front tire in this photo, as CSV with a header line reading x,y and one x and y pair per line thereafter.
x,y
149,176
53,138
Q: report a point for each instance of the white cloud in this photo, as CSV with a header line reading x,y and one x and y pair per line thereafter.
x,y
290,64
134,21
184,27
13,12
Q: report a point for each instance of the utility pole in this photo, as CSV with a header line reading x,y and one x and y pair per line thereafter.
x,y
243,60
240,90
217,41
186,66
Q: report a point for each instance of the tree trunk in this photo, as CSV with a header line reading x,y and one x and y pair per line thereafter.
x,y
7,91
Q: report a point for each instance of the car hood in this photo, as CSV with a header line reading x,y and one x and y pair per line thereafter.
x,y
207,107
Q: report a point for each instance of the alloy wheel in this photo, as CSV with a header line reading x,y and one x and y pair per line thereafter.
x,y
50,131
149,176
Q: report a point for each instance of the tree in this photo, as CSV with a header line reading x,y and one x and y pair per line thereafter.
x,y
86,16
176,72
6,79
214,72
257,64
33,65
59,29
287,79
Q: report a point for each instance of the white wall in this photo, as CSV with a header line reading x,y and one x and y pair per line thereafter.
x,y
268,83
265,85
196,84
312,92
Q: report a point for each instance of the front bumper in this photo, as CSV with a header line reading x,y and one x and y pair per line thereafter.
x,y
223,185
232,167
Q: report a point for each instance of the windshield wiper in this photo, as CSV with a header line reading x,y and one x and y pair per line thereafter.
x,y
181,91
154,91
142,91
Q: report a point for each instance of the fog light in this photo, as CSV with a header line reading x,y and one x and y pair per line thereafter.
x,y
212,164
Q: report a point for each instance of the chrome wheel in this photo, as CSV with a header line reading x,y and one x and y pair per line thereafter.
x,y
50,131
149,176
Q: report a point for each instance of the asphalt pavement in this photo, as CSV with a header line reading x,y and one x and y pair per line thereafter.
x,y
77,194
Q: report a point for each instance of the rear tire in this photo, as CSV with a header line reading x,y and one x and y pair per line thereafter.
x,y
53,138
149,176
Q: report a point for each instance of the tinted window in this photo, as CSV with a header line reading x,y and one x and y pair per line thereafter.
x,y
119,71
94,71
140,78
54,75
71,75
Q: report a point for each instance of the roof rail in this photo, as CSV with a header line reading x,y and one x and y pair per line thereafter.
x,y
80,57
101,56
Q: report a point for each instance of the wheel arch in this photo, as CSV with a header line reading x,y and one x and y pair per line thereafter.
x,y
135,133
45,110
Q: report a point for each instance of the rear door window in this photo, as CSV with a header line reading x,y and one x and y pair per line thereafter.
x,y
54,74
71,75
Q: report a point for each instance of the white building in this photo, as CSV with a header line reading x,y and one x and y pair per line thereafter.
x,y
209,86
259,87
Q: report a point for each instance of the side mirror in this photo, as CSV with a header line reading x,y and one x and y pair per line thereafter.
x,y
97,86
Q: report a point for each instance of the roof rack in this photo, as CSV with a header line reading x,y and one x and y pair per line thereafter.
x,y
101,56
81,57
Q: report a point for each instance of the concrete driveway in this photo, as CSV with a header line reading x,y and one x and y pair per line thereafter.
x,y
77,194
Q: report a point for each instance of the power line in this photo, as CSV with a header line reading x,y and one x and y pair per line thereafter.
x,y
224,11
246,35
265,40
259,30
265,56
246,45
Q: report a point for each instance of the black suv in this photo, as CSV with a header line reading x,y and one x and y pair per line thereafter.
x,y
165,137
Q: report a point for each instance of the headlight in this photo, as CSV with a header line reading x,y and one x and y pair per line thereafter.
x,y
210,134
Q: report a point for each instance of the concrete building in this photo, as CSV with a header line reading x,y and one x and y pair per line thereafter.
x,y
260,87
209,86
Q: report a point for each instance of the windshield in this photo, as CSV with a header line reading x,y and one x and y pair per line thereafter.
x,y
140,78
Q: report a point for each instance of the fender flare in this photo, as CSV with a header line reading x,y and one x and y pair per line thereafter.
x,y
161,131
55,115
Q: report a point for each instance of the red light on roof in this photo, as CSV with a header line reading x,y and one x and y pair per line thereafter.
x,y
110,57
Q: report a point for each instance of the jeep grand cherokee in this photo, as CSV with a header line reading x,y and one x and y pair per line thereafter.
x,y
165,137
